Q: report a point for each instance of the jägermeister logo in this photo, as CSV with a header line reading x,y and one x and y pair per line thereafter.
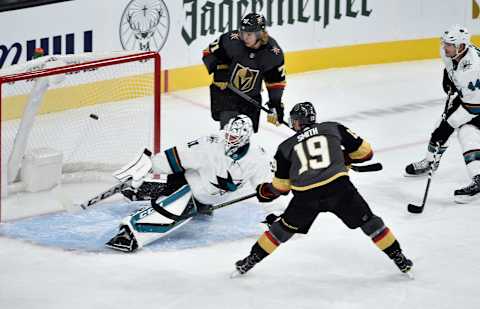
x,y
203,17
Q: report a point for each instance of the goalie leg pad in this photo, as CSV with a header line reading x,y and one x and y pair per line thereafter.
x,y
147,225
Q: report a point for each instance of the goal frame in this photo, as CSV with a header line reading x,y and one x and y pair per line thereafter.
x,y
114,60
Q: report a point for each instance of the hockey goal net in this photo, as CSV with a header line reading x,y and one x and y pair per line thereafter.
x,y
93,113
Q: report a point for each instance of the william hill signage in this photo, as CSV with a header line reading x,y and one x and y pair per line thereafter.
x,y
210,17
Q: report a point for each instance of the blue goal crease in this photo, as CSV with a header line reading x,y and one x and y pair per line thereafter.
x,y
89,230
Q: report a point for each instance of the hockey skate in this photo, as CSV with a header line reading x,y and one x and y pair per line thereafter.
x,y
420,168
404,264
469,193
243,266
123,241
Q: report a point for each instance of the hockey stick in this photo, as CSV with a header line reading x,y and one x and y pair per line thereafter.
x,y
419,209
374,167
357,168
70,206
447,105
175,217
252,101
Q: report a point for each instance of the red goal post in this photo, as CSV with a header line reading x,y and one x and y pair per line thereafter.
x,y
96,110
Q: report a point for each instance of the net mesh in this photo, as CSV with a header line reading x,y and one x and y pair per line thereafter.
x,y
98,117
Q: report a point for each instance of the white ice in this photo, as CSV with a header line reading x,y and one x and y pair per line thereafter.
x,y
331,267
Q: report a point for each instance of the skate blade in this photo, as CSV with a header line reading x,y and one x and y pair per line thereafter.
x,y
235,274
466,199
405,174
119,248
409,275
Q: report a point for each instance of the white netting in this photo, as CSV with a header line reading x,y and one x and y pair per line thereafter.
x,y
99,117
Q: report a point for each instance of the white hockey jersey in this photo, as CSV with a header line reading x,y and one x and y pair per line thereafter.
x,y
466,77
213,176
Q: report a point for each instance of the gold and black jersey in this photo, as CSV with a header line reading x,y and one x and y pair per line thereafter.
x,y
231,61
315,156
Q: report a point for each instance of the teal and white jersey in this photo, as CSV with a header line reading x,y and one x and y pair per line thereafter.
x,y
465,75
213,176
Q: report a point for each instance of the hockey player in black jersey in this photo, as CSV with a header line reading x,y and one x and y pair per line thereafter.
x,y
313,165
244,58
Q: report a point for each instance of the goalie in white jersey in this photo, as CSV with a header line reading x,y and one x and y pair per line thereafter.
x,y
461,76
210,170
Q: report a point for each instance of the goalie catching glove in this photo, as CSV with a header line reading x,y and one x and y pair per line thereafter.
x,y
139,171
136,170
276,113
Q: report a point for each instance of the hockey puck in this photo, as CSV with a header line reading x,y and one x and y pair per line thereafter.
x,y
94,116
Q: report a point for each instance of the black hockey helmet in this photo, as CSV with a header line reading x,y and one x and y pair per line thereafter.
x,y
304,113
253,22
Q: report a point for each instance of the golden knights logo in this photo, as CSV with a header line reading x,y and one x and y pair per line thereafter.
x,y
244,78
144,25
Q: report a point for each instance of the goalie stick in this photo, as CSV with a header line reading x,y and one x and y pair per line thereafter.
x,y
159,208
357,168
70,206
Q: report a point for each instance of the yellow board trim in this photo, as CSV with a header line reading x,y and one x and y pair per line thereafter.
x,y
77,96
325,58
296,62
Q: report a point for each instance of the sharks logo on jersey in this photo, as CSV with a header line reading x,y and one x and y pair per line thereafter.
x,y
227,184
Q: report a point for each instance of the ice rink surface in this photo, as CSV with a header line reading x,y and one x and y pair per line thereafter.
x,y
394,107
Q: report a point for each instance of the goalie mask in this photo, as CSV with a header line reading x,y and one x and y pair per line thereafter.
x,y
237,133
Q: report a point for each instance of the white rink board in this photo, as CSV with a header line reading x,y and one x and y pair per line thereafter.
x,y
374,21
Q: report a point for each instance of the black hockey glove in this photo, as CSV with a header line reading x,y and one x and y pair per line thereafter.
x,y
277,112
270,219
447,84
264,193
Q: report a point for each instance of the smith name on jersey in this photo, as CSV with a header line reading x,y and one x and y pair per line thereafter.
x,y
209,172
316,156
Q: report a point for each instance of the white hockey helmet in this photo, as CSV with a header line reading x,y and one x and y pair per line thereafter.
x,y
237,133
456,35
